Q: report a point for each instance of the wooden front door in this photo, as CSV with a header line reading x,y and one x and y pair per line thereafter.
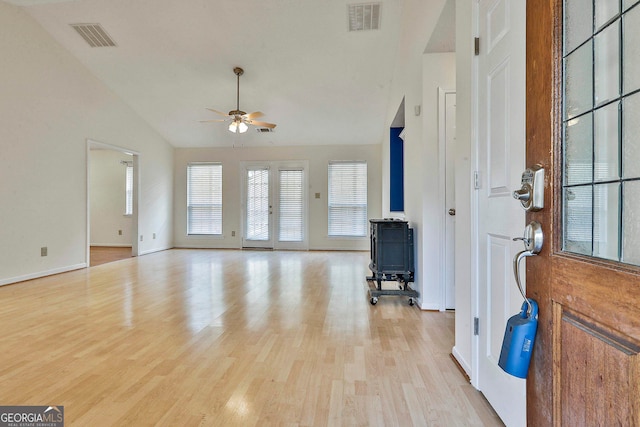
x,y
585,368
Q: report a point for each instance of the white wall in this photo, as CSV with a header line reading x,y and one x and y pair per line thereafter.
x,y
107,180
410,76
418,22
318,157
464,166
49,106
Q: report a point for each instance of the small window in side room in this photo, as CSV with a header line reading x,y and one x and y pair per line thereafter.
x,y
128,192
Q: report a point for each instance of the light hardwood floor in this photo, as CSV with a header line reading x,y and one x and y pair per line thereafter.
x,y
104,254
230,338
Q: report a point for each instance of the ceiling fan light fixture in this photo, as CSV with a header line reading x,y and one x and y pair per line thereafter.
x,y
238,126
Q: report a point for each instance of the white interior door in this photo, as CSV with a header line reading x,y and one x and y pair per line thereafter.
x,y
258,207
500,157
449,106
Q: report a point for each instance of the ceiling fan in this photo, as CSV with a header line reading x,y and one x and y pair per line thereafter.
x,y
240,119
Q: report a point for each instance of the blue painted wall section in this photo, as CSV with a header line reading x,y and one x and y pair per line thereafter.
x,y
396,175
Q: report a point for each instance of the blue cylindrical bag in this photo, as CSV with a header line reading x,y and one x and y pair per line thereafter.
x,y
519,337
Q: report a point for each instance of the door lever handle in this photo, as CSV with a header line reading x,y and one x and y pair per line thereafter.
x,y
532,239
516,272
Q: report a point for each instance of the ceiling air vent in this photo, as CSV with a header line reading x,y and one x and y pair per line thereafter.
x,y
364,16
94,34
264,130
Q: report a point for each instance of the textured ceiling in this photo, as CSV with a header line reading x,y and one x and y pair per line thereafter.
x,y
318,82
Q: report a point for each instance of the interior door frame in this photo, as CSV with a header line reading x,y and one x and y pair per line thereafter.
x,y
93,145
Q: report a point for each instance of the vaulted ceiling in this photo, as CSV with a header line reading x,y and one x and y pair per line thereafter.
x,y
319,82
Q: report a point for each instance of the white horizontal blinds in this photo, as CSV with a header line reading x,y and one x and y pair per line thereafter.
x,y
348,199
128,203
258,204
204,198
291,206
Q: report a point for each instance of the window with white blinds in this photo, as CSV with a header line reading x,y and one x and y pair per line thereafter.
x,y
204,198
128,191
348,199
291,206
258,208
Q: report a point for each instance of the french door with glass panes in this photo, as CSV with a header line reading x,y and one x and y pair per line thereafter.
x,y
275,205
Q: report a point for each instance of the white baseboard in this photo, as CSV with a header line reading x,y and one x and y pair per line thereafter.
x,y
429,306
463,363
150,251
42,274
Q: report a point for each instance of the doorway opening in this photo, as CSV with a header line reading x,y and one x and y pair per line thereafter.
x,y
112,203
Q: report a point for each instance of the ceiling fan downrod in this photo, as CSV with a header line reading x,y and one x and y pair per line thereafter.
x,y
238,72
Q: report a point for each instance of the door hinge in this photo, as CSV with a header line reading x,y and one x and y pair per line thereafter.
x,y
476,326
476,180
476,46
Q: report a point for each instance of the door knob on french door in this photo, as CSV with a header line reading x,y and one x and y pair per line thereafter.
x,y
452,212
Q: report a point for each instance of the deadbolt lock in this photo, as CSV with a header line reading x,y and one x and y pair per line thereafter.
x,y
531,192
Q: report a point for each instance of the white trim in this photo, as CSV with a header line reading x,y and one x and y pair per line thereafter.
x,y
194,245
474,274
150,251
430,306
463,363
102,145
42,274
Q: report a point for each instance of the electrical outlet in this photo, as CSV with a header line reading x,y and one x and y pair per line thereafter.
x,y
233,234
317,195
141,237
154,235
119,232
43,251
